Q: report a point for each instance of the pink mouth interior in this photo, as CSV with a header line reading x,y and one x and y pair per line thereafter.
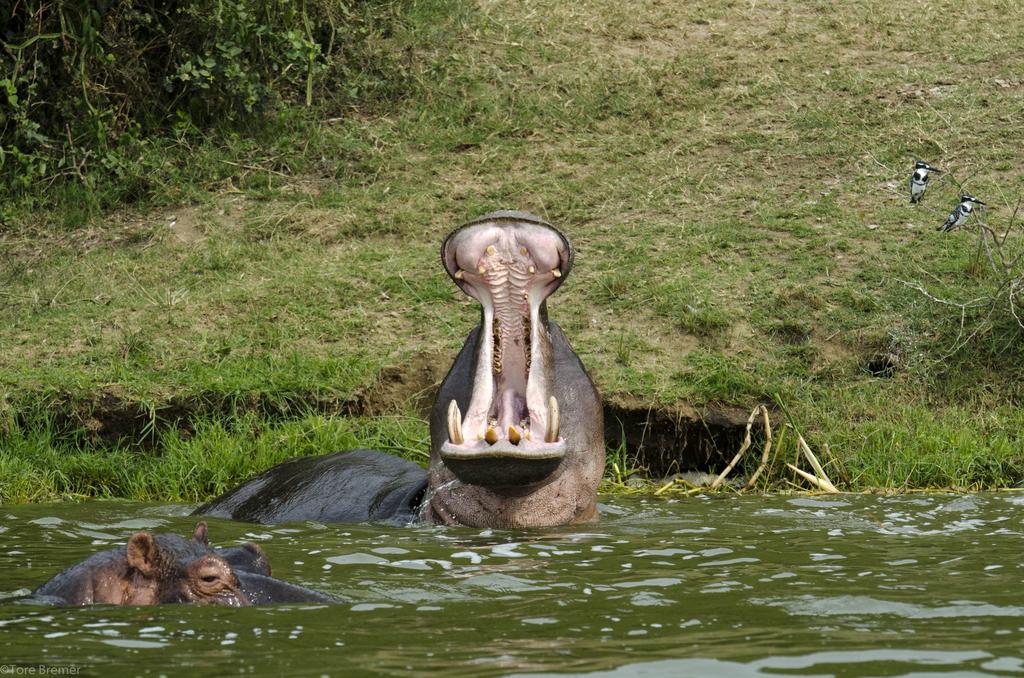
x,y
510,270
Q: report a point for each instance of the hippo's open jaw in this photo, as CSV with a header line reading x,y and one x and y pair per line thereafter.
x,y
512,419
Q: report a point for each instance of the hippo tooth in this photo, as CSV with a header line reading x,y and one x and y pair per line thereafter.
x,y
491,436
481,270
513,435
554,421
522,250
531,270
491,250
459,274
455,424
555,272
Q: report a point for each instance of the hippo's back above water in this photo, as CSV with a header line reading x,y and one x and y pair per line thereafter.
x,y
344,487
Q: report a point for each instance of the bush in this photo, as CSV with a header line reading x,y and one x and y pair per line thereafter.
x,y
83,83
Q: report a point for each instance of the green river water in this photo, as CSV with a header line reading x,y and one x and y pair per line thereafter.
x,y
918,585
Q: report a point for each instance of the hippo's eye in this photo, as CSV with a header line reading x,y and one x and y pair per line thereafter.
x,y
210,578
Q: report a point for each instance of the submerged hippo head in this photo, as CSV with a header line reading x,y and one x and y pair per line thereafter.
x,y
149,570
517,432
165,568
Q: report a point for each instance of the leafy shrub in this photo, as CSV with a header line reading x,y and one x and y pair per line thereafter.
x,y
84,83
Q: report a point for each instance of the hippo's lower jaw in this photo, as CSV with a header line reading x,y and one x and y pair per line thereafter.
x,y
502,464
510,434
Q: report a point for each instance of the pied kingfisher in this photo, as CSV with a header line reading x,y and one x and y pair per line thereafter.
x,y
958,217
919,180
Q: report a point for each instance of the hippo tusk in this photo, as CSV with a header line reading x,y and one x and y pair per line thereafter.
x,y
554,421
455,423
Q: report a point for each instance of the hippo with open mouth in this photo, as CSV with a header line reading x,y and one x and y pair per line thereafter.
x,y
517,434
165,568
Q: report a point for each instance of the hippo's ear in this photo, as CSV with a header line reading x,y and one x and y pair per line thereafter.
x,y
260,558
199,535
144,554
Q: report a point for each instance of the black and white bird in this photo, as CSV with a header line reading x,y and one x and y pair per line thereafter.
x,y
958,217
919,180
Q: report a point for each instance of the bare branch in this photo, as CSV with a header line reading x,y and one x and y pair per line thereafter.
x,y
739,454
767,449
973,303
822,478
1013,308
983,232
889,170
1013,218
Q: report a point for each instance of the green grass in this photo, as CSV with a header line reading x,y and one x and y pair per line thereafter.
x,y
733,177
38,464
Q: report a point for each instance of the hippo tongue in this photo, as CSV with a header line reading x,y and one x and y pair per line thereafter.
x,y
510,268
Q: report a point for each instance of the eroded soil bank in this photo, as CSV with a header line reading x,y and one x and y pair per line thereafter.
x,y
656,439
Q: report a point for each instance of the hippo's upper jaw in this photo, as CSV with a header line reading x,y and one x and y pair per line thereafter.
x,y
508,431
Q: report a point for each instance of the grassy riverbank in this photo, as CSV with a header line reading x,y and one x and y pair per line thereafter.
x,y
734,180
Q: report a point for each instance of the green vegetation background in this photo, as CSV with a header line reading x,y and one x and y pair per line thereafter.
x,y
219,229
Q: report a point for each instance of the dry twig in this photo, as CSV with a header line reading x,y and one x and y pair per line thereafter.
x,y
820,478
767,449
743,448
